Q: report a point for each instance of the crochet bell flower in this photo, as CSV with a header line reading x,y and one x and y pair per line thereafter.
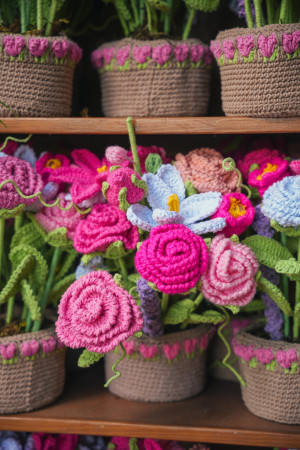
x,y
97,314
238,211
105,225
275,169
173,258
281,202
49,162
229,278
256,159
169,204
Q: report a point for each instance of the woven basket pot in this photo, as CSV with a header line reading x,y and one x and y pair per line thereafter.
x,y
37,86
154,78
164,369
260,70
32,371
272,375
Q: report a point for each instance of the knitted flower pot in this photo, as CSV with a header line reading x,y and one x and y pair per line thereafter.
x,y
164,369
272,375
260,70
36,75
153,78
32,371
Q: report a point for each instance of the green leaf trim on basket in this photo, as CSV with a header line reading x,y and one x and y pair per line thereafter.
x,y
289,231
291,268
179,312
268,251
30,300
276,295
87,358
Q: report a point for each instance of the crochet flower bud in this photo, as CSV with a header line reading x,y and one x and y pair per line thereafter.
x,y
119,179
97,314
116,155
173,258
150,306
230,275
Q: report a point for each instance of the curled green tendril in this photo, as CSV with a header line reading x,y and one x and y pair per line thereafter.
x,y
20,141
115,371
40,197
249,193
229,165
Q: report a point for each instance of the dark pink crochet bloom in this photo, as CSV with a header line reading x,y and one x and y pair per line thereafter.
x,y
273,170
143,152
256,157
50,162
122,178
97,314
103,226
173,258
21,172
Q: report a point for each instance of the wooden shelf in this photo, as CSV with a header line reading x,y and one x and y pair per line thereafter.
x,y
215,416
151,125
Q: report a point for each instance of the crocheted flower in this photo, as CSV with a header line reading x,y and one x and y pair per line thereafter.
x,y
141,54
203,167
29,182
264,355
97,59
281,202
143,152
103,226
230,275
181,52
197,52
216,49
52,218
123,178
295,167
291,42
238,212
50,162
38,47
8,351
257,158
261,223
60,48
228,47
267,44
95,263
286,358
9,148
13,46
75,52
161,53
169,204
97,314
150,306
245,44
173,258
268,173
44,441
123,55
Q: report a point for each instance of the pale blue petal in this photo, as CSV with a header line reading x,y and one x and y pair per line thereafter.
x,y
170,175
163,216
208,226
141,217
27,154
3,155
158,191
200,206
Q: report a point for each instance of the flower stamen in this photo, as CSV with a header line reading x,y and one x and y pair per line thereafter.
x,y
53,163
102,169
236,208
270,168
173,203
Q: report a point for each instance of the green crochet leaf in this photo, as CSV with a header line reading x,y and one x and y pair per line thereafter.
x,y
19,272
291,268
268,251
27,235
141,184
159,4
133,444
59,238
69,259
87,358
11,213
118,280
153,163
276,295
190,189
134,277
105,186
210,316
297,310
30,301
289,231
203,5
123,203
60,288
85,259
116,250
233,308
134,293
254,306
179,312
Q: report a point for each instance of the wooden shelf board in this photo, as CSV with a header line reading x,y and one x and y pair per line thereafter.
x,y
151,125
215,416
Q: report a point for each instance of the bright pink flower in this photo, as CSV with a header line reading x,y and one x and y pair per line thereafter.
x,y
208,57
151,444
171,351
60,48
258,157
245,45
148,352
103,226
8,351
267,45
181,52
197,52
161,53
129,347
238,211
286,358
75,52
10,148
118,179
97,59
228,47
13,46
96,313
295,167
50,162
216,49
291,42
264,355
120,443
275,169
108,54
204,341
190,345
30,348
123,55
38,47
143,152
230,275
49,345
141,54
43,441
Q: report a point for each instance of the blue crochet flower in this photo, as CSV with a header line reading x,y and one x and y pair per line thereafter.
x,y
169,204
27,154
281,202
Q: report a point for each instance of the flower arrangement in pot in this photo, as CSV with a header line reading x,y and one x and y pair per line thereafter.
x,y
36,66
151,72
253,59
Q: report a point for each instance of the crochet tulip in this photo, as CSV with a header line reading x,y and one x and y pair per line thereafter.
x,y
173,258
116,155
97,314
229,278
258,158
274,170
295,167
49,163
122,178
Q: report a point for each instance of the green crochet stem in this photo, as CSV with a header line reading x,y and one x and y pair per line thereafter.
x,y
229,165
10,138
149,16
297,300
39,14
132,140
270,11
2,229
135,12
164,303
248,13
52,13
116,372
258,13
285,291
23,16
283,11
222,337
188,26
198,300
123,268
167,18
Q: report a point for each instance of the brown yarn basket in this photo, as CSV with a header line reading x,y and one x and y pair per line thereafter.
x,y
152,91
160,380
270,395
35,89
259,88
31,384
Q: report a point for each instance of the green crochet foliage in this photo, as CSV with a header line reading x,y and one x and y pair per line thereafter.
x,y
233,308
134,277
153,163
27,235
254,306
123,203
18,273
297,310
190,189
116,250
55,238
276,295
11,213
179,312
105,186
87,358
267,251
69,260
60,288
291,268
141,184
289,231
203,5
210,316
30,300
159,4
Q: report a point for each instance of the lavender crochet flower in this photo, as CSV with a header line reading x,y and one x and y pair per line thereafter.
x,y
273,313
238,6
150,306
261,224
27,154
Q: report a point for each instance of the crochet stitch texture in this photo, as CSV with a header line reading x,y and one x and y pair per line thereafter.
x,y
275,169
121,178
259,157
150,306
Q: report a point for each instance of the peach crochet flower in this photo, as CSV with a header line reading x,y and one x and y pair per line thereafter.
x,y
203,167
230,275
97,314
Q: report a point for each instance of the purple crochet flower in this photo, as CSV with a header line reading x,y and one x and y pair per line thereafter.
x,y
273,313
13,46
238,6
150,306
38,47
60,48
261,224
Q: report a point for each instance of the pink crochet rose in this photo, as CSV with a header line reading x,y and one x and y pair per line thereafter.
x,y
181,52
161,53
148,352
238,211
197,52
264,355
190,345
208,57
96,313
119,179
143,152
8,352
228,47
245,45
30,348
267,45
291,42
52,218
75,52
50,162
60,48
171,351
216,49
48,345
108,54
230,275
286,358
123,55
141,54
173,258
275,169
259,157
103,226
38,47
129,347
97,59
13,46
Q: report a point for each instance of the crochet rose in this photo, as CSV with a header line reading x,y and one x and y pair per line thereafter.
x,y
52,218
275,169
29,182
97,314
103,226
173,258
50,162
257,157
122,178
203,167
229,278
238,211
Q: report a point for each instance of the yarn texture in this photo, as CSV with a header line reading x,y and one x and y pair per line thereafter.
x,y
144,152
150,306
50,162
259,157
274,170
261,223
119,179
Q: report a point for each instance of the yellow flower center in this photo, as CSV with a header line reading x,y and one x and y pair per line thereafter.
x,y
173,203
102,169
236,209
270,168
53,163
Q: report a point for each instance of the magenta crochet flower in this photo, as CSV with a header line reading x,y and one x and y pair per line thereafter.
x,y
258,157
291,42
50,162
245,45
10,148
197,52
97,59
275,169
13,46
119,179
141,54
96,313
267,44
230,275
295,167
103,226
238,211
161,53
52,218
60,48
181,52
75,52
8,351
21,172
143,152
286,358
173,258
228,47
264,355
38,47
